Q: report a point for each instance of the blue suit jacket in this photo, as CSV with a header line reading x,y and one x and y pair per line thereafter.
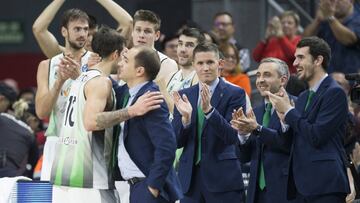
x,y
317,155
276,150
151,144
220,164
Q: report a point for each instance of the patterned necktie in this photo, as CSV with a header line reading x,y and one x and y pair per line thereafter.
x,y
266,121
200,124
310,97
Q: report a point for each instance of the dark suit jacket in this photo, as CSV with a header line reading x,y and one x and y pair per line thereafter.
x,y
220,164
316,160
275,156
151,144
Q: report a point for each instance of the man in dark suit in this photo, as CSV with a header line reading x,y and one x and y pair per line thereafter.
x,y
146,144
268,153
209,169
317,159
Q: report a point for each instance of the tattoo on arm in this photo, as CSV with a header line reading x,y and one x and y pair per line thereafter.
x,y
111,118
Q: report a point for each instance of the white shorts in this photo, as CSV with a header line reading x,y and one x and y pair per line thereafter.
x,y
48,157
65,194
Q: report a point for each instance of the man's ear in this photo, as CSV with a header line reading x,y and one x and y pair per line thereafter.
x,y
283,80
157,35
140,71
319,60
115,55
64,31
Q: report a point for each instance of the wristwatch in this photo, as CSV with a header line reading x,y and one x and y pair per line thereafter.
x,y
258,129
330,19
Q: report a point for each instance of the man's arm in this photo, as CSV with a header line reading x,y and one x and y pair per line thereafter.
x,y
47,41
45,98
122,17
221,123
147,102
343,34
96,99
163,139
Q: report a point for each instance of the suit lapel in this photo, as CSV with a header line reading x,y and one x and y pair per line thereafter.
x,y
217,96
193,98
323,86
138,94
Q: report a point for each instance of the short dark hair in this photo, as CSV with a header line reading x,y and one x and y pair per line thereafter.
x,y
149,16
92,22
221,13
73,14
317,47
207,47
167,39
149,59
195,33
106,41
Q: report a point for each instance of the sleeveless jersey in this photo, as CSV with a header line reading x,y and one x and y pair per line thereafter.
x,y
162,57
58,110
83,157
177,82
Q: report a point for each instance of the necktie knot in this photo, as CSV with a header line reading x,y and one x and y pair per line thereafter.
x,y
268,107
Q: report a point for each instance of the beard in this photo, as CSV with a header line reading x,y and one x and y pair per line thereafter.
x,y
76,45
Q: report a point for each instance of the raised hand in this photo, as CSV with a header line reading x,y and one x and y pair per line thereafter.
x,y
69,68
280,100
244,124
183,106
205,98
93,59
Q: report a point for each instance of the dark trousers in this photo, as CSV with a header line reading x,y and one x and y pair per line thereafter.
x,y
140,193
199,194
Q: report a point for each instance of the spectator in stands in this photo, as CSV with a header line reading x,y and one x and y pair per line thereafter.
x,y
27,94
339,25
224,29
7,97
231,69
280,40
18,149
169,46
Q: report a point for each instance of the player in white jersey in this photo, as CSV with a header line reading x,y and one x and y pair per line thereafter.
x,y
146,31
49,44
82,169
54,79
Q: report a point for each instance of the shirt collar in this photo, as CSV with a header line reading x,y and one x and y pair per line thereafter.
x,y
317,85
134,90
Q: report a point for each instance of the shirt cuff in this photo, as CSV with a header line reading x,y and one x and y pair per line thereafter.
x,y
288,111
284,127
243,138
208,115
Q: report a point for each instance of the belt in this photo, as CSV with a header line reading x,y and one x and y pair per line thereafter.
x,y
134,180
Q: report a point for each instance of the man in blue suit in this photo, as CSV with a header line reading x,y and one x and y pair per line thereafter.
x,y
268,153
146,144
317,160
209,168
